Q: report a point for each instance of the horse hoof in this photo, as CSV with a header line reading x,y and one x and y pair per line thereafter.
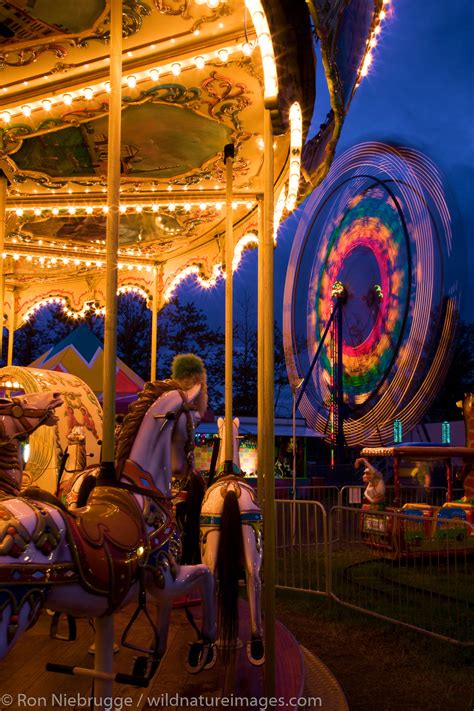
x,y
256,652
201,655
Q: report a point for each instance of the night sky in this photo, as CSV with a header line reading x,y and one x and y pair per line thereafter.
x,y
418,93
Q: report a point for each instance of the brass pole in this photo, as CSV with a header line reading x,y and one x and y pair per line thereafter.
x,y
268,415
154,324
11,331
112,229
3,204
260,363
229,256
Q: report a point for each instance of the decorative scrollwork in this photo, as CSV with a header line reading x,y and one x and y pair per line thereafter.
x,y
182,9
132,19
11,138
222,10
167,93
25,56
226,99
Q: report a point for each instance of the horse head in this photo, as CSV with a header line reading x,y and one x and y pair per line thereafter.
x,y
235,443
164,441
23,414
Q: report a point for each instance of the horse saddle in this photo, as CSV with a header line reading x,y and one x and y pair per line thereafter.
x,y
108,543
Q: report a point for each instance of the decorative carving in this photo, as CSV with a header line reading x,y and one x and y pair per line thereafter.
x,y
182,8
14,538
226,99
28,55
222,10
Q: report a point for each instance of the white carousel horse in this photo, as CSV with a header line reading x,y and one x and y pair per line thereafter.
x,y
231,540
74,462
99,558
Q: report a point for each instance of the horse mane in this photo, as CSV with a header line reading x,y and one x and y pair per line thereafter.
x,y
133,419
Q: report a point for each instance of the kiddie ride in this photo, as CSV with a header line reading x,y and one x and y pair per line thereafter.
x,y
417,529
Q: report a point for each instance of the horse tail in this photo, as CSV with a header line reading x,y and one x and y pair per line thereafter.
x,y
191,530
230,559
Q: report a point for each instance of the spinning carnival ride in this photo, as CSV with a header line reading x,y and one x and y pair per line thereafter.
x,y
374,244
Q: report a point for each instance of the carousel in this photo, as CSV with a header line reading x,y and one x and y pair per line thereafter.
x,y
142,142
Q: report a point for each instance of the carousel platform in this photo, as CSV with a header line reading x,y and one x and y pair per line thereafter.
x,y
298,672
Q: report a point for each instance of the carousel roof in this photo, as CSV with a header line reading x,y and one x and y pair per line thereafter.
x,y
197,74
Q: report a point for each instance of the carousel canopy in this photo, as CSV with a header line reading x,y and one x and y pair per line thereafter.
x,y
197,74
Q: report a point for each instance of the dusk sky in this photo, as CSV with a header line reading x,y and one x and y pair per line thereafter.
x,y
418,93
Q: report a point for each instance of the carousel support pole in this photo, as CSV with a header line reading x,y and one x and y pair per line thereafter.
x,y
260,368
3,205
11,331
339,388
107,474
105,626
229,257
154,325
268,415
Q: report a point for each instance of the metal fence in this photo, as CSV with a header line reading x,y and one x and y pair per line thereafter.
x,y
412,569
351,495
301,546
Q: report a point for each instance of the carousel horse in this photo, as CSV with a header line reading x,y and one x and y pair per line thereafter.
x,y
231,541
19,417
118,548
72,465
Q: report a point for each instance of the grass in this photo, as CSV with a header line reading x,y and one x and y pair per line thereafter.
x,y
380,666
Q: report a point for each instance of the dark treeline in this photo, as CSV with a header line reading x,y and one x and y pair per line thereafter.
x,y
182,328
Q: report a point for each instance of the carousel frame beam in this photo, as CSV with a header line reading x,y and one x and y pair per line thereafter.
x,y
3,200
162,197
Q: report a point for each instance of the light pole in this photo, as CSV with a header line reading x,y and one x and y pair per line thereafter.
x,y
295,386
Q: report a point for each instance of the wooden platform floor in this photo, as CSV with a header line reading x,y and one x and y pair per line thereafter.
x,y
23,671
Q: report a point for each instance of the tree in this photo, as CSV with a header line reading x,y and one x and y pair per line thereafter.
x,y
460,377
133,333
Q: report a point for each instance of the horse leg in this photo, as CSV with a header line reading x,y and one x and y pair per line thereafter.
x,y
190,577
253,561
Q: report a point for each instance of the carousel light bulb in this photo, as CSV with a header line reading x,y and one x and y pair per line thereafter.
x,y
6,116
105,209
16,256
88,93
77,262
89,210
139,208
67,99
382,14
187,206
223,55
107,87
154,74
171,207
37,212
218,206
247,49
55,211
19,211
71,210
26,110
154,207
377,30
202,206
212,4
373,42
29,258
123,209
87,263
176,69
47,103
131,81
200,62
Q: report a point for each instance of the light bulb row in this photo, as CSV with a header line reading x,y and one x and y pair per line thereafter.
x,y
296,143
372,41
88,93
81,210
262,30
48,261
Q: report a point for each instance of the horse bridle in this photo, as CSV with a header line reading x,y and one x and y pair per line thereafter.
x,y
16,410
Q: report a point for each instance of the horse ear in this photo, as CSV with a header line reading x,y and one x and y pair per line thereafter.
x,y
220,422
236,422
